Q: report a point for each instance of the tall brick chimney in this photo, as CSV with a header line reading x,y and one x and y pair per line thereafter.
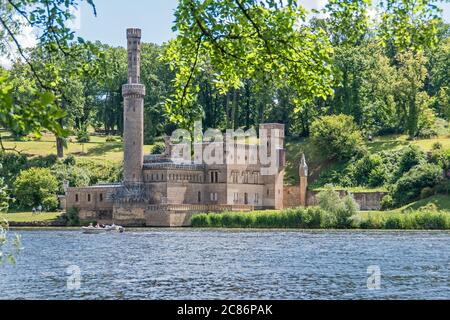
x,y
133,112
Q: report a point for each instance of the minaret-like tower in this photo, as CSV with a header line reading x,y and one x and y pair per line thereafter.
x,y
303,174
133,112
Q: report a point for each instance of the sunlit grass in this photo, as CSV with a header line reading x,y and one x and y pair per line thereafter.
x,y
29,216
97,149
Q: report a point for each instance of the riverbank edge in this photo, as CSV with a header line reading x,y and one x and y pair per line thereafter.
x,y
218,229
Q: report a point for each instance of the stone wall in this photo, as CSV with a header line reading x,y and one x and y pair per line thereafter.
x,y
93,203
366,200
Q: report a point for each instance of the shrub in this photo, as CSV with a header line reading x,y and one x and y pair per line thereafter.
x,y
70,160
426,192
50,203
337,136
329,200
409,186
105,171
73,217
43,161
443,187
336,211
427,133
77,176
158,148
411,157
10,166
437,146
4,197
387,202
111,139
82,135
35,185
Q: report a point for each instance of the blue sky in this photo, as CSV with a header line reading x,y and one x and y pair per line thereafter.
x,y
154,17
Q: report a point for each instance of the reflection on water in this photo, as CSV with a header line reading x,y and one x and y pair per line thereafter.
x,y
205,264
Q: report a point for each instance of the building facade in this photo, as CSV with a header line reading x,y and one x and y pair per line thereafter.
x,y
159,191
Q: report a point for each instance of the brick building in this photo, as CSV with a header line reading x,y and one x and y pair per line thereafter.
x,y
158,191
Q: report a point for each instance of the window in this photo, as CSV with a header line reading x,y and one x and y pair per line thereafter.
x,y
246,198
268,192
76,197
236,197
89,197
213,196
245,176
234,177
256,200
101,197
214,176
199,197
256,177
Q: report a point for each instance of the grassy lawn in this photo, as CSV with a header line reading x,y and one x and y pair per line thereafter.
x,y
442,203
29,216
96,149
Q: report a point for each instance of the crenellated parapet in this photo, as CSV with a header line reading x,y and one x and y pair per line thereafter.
x,y
133,90
133,33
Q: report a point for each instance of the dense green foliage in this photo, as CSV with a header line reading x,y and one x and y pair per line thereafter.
x,y
34,187
332,212
424,219
291,218
338,78
4,197
316,218
29,101
412,183
338,137
269,63
72,216
336,211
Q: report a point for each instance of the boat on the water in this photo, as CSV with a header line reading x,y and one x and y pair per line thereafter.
x,y
96,230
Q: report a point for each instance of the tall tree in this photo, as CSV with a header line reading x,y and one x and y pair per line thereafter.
x,y
268,41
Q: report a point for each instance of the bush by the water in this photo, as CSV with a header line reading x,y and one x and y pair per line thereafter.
x,y
289,218
337,210
425,219
72,216
316,218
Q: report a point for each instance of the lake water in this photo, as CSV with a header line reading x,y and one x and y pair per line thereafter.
x,y
229,264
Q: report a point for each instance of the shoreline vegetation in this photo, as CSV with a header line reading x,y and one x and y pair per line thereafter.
x,y
332,213
316,218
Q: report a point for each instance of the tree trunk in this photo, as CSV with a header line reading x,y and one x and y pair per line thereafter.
x,y
227,110
59,140
60,147
234,110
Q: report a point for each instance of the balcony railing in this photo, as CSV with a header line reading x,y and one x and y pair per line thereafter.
x,y
200,207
